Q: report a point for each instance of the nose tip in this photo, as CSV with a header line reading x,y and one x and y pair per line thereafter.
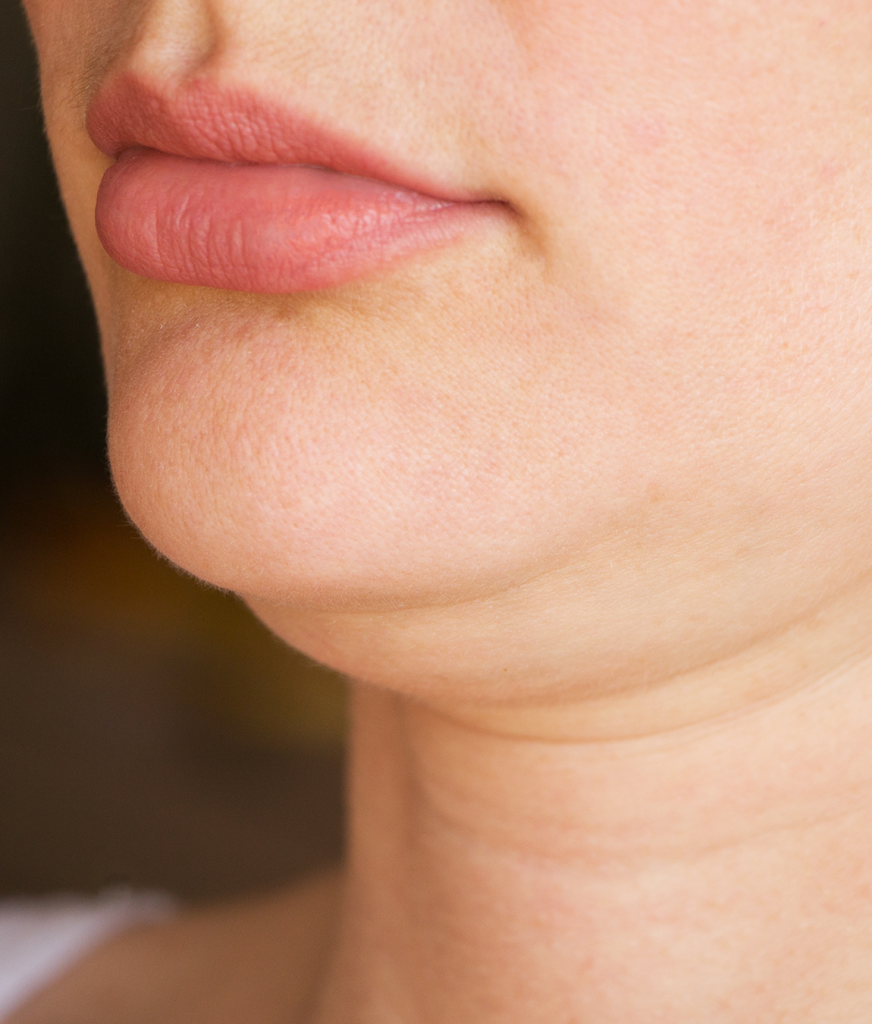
x,y
171,39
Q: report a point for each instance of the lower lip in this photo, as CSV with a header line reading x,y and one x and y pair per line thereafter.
x,y
264,228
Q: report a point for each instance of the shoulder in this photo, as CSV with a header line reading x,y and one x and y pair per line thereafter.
x,y
255,960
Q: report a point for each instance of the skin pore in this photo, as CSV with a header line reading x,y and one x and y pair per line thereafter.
x,y
579,499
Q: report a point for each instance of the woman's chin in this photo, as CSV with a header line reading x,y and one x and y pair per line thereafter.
x,y
291,537
325,457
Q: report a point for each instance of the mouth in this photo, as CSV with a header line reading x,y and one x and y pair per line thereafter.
x,y
216,187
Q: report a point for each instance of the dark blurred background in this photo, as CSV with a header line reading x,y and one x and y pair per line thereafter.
x,y
152,733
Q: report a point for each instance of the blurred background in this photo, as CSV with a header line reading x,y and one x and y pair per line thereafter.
x,y
152,733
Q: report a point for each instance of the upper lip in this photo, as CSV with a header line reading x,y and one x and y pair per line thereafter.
x,y
205,120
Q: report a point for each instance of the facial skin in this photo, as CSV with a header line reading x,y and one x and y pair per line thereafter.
x,y
583,493
612,436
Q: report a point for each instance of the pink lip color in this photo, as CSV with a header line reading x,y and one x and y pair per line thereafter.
x,y
258,227
218,189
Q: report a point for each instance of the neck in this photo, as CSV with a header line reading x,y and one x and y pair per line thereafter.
x,y
716,872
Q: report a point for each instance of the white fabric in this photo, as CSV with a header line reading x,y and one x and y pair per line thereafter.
x,y
42,938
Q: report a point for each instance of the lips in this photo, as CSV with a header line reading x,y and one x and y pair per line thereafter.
x,y
218,188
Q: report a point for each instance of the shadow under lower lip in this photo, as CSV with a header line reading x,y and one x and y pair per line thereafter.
x,y
260,228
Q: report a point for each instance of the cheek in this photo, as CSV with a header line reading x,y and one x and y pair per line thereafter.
x,y
76,40
76,35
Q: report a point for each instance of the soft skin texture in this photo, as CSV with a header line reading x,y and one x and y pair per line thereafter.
x,y
581,498
638,404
